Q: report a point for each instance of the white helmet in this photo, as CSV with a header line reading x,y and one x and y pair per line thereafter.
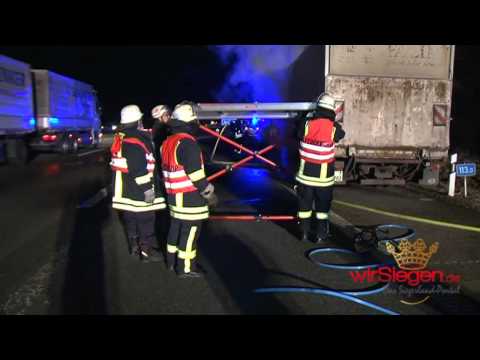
x,y
159,111
130,114
326,101
184,112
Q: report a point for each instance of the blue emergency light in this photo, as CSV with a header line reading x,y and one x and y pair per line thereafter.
x,y
53,121
255,120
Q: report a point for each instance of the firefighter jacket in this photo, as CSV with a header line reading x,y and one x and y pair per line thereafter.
x,y
184,176
317,151
133,166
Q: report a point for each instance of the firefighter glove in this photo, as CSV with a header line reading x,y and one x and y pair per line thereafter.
x,y
149,196
208,192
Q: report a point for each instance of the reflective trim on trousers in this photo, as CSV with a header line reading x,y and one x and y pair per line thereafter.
x,y
122,200
189,254
191,217
322,216
304,214
316,179
172,249
189,210
315,183
126,207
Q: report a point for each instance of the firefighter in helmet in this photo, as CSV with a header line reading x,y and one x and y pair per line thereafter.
x,y
189,193
318,132
134,179
161,115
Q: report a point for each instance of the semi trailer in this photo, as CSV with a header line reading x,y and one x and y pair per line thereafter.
x,y
394,102
42,111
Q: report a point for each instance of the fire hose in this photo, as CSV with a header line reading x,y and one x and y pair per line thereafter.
x,y
353,295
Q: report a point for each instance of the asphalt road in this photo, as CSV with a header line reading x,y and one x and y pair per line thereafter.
x,y
63,249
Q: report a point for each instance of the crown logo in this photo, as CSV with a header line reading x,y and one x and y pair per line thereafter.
x,y
412,256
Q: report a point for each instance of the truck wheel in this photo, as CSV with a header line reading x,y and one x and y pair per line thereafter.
x,y
65,147
17,152
74,147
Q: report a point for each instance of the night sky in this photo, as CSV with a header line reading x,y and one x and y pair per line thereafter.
x,y
151,75
146,76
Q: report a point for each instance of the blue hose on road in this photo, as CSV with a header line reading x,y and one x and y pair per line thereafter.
x,y
347,295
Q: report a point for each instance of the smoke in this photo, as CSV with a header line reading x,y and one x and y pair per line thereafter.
x,y
260,72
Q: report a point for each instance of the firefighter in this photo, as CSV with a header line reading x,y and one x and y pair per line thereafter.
x,y
318,132
189,193
161,115
134,178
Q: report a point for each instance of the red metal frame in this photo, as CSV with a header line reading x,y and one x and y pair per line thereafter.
x,y
252,155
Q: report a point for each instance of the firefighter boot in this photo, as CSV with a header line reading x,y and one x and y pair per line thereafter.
x,y
192,274
133,246
305,228
323,232
198,272
170,261
149,254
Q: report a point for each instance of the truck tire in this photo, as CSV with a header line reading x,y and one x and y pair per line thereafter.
x,y
17,152
65,147
74,147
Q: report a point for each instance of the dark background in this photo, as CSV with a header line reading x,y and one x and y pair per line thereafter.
x,y
150,75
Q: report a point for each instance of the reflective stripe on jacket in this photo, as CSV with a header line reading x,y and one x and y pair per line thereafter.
x,y
317,154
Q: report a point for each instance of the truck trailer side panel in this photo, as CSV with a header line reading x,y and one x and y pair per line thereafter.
x,y
16,99
64,104
392,113
396,109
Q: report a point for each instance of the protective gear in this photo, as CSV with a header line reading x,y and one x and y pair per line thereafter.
x,y
133,245
209,195
322,240
184,177
159,111
130,114
149,196
140,228
304,237
212,200
326,101
191,274
133,165
185,111
185,181
317,151
322,198
148,254
208,192
134,174
182,245
316,175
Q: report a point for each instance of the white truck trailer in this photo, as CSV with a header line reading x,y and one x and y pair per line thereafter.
x,y
43,111
394,103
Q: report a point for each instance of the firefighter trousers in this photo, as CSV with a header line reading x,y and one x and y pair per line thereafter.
x,y
182,244
140,226
314,199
